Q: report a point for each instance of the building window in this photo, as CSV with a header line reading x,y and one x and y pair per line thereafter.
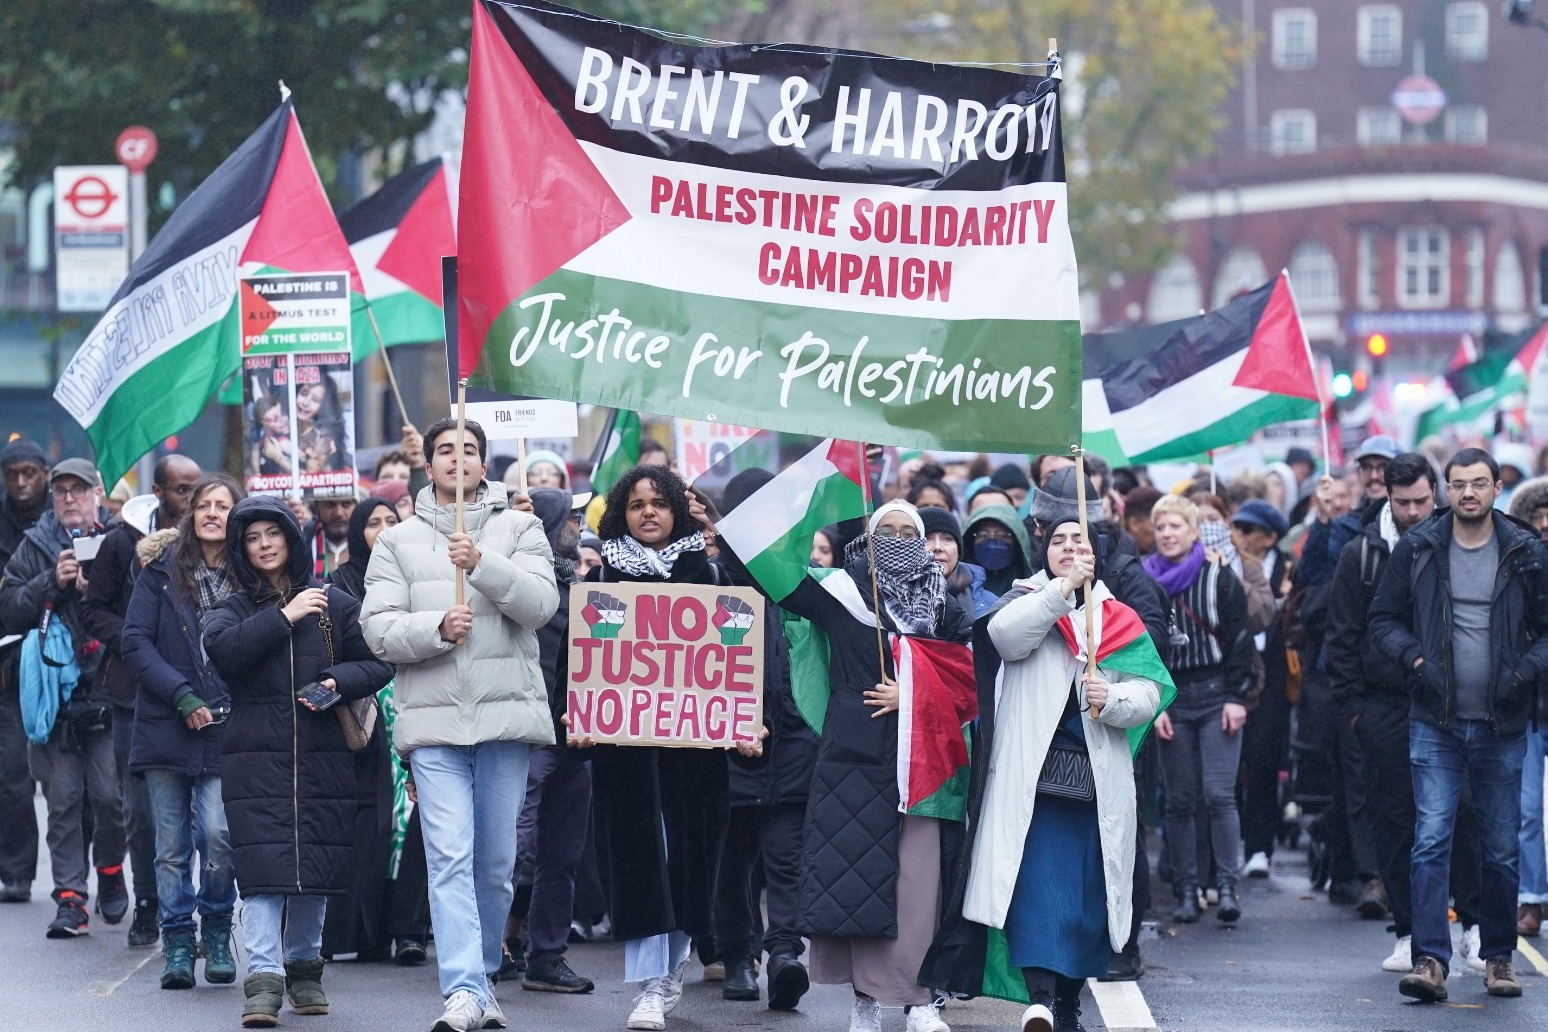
x,y
1295,38
1378,127
1380,35
1467,123
1175,292
1241,271
1475,268
1467,32
1423,273
1368,270
1293,131
1509,283
1314,274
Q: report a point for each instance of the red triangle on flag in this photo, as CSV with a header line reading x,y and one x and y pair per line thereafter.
x,y
531,199
1532,350
254,304
1277,360
297,230
849,458
427,232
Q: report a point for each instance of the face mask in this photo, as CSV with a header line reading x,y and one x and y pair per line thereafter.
x,y
994,555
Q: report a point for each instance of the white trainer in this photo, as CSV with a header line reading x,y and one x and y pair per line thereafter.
x,y
463,1013
672,988
926,1017
865,1016
649,1014
1037,1018
1471,943
1402,960
1258,866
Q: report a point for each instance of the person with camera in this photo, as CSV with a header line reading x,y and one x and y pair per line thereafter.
x,y
69,729
290,651
177,733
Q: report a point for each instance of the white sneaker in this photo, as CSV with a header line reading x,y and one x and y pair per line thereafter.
x,y
494,1017
650,1009
1037,1018
1471,943
926,1018
463,1013
672,988
1257,866
865,1016
1402,960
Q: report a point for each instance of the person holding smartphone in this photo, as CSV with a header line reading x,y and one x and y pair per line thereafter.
x,y
288,650
177,730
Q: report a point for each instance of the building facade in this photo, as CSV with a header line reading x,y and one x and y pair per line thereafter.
x,y
1392,156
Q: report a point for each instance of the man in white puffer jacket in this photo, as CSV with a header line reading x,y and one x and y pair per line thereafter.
x,y
470,698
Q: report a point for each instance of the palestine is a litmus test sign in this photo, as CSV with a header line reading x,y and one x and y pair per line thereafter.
x,y
677,665
798,239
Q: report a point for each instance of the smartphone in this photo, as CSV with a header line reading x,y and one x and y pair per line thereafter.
x,y
218,716
317,696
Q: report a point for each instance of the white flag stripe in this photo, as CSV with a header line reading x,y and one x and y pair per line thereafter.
x,y
1200,401
367,253
1095,417
722,259
763,519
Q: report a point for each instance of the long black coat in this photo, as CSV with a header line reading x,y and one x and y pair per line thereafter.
x,y
849,866
662,814
161,647
288,780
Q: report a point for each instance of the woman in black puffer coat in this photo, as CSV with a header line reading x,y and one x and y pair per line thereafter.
x,y
288,778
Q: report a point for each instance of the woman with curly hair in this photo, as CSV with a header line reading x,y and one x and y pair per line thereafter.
x,y
661,813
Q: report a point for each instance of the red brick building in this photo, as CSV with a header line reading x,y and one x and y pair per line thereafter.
x,y
1393,156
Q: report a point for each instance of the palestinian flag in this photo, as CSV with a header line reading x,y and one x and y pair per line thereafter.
x,y
1097,434
1212,381
808,240
170,337
1498,380
398,236
771,531
1124,647
937,698
617,451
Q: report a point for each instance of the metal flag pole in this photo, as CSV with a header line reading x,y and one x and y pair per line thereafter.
x,y
1085,537
870,548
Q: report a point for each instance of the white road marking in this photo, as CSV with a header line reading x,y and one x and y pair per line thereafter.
x,y
109,988
1122,1005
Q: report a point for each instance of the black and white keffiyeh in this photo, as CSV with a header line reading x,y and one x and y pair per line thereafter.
x,y
911,582
215,584
627,555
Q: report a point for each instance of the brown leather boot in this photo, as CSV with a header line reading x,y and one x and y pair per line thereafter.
x,y
1427,984
1529,919
1501,977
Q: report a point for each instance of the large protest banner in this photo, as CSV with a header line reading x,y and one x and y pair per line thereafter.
x,y
799,239
298,385
675,665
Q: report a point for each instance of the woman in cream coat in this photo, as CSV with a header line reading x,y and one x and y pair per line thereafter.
x,y
1056,873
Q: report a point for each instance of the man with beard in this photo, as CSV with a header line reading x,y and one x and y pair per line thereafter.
x,y
328,534
1463,607
26,496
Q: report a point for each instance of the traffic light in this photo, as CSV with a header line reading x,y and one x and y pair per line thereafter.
x,y
1343,385
1360,380
1376,345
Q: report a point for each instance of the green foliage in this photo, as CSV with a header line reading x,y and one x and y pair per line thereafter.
x,y
203,73
1144,80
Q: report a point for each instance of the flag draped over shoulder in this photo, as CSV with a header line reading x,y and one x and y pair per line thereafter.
x,y
1126,648
808,240
170,336
398,236
1186,387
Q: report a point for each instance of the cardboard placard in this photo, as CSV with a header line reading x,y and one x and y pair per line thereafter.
x,y
677,665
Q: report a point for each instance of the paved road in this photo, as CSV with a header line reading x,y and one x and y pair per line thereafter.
x,y
1295,962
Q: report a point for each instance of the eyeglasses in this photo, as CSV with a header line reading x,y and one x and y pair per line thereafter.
x,y
907,533
66,491
1478,486
993,534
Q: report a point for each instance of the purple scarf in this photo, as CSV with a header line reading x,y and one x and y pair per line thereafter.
x,y
1174,578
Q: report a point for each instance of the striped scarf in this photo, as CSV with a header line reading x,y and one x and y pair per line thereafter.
x,y
627,555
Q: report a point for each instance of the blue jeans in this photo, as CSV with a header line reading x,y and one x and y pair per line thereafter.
x,y
187,814
469,799
1534,864
1493,765
302,920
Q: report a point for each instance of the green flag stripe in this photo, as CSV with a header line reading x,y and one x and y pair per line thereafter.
x,y
780,568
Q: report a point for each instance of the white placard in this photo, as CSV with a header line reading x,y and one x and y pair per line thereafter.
x,y
91,235
524,417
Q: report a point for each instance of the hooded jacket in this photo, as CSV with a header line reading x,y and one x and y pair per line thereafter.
x,y
490,688
163,654
1411,619
287,778
1357,669
350,577
997,582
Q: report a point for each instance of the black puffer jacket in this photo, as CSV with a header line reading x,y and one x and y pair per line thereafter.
x,y
1411,618
288,780
161,649
1356,668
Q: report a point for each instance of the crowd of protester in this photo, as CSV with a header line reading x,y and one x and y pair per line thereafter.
x,y
292,712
